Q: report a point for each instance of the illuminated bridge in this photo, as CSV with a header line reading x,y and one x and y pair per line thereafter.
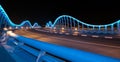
x,y
66,40
66,23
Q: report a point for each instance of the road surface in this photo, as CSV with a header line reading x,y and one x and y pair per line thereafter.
x,y
105,47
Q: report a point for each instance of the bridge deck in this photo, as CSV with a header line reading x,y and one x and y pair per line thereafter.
x,y
83,43
4,55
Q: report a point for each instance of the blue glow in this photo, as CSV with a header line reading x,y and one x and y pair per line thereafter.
x,y
70,54
36,25
25,22
49,24
4,18
67,17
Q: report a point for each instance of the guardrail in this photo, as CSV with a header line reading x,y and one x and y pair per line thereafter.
x,y
47,52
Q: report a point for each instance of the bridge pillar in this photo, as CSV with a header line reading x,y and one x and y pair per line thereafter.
x,y
99,28
112,28
88,28
71,26
93,28
82,27
105,29
73,23
78,27
65,24
118,27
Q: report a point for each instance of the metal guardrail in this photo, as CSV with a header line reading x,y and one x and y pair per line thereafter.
x,y
55,53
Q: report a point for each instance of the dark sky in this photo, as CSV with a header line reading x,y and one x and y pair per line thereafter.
x,y
41,11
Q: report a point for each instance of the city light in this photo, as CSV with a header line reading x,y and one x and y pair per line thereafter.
x,y
16,27
5,29
10,33
29,43
76,29
10,27
63,28
21,27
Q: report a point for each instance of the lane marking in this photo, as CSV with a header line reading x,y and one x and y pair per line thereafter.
x,y
95,36
60,33
67,33
75,34
83,35
107,37
85,42
55,32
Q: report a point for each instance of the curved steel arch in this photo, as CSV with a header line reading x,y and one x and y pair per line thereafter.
x,y
67,16
4,18
25,22
36,25
49,24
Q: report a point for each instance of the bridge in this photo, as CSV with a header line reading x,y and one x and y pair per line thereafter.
x,y
66,23
67,39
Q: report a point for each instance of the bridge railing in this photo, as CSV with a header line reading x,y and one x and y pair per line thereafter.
x,y
48,52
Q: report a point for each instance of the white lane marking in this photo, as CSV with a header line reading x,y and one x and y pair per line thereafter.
x,y
55,32
60,33
74,34
87,42
83,35
67,33
84,42
47,31
108,37
95,36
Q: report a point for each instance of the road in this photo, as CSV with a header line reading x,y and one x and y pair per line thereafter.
x,y
105,47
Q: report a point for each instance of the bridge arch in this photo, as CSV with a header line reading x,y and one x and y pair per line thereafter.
x,y
6,22
70,23
36,25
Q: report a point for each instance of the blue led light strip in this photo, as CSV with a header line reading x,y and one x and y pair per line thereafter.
x,y
74,19
4,18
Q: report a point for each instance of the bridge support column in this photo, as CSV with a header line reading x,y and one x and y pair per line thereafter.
x,y
74,23
78,27
65,24
88,28
118,27
70,25
93,28
105,29
112,28
82,27
99,29
62,23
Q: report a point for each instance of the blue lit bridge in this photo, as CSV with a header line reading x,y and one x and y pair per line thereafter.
x,y
66,23
66,40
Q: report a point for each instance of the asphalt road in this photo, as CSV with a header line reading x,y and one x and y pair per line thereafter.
x,y
107,47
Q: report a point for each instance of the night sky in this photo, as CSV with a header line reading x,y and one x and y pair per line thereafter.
x,y
41,11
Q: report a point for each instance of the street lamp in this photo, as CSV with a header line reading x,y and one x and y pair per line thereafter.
x,y
76,29
63,28
5,28
10,27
